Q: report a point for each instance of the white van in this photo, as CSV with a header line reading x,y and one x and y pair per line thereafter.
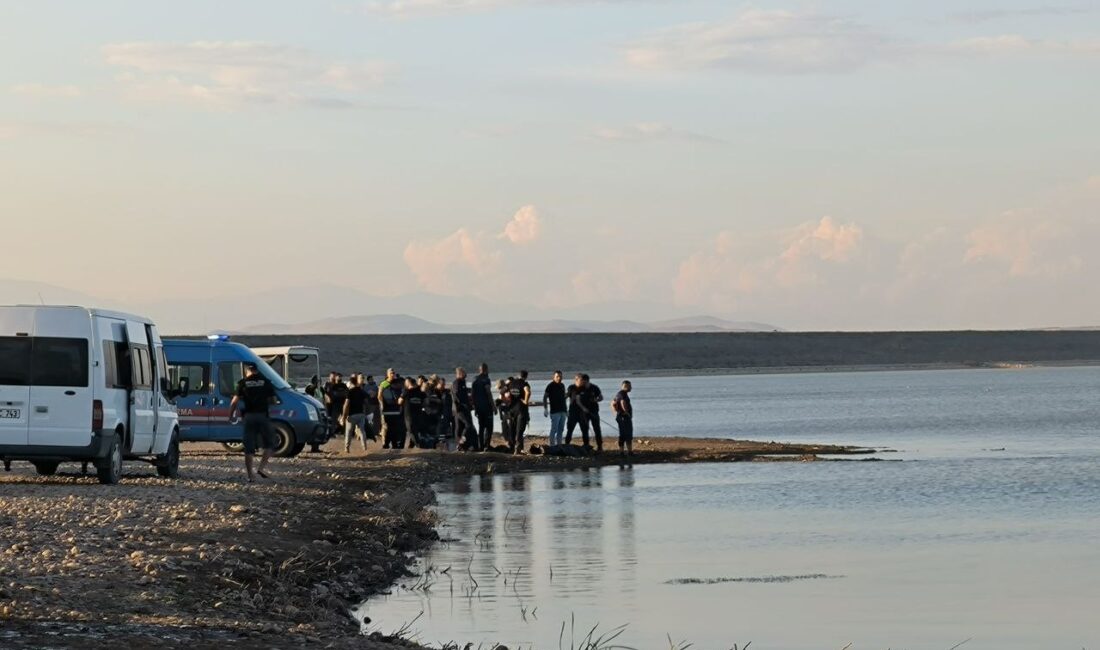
x,y
85,385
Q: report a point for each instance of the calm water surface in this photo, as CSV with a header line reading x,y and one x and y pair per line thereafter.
x,y
962,540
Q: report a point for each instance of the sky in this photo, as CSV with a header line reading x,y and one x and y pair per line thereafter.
x,y
829,164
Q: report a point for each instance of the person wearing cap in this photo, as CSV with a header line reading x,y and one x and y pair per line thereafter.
x,y
254,395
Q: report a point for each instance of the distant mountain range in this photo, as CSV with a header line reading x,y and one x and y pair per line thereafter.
x,y
405,324
330,309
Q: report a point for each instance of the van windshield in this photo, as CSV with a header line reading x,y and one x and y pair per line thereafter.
x,y
272,376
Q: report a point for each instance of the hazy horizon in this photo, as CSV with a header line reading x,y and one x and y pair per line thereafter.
x,y
838,165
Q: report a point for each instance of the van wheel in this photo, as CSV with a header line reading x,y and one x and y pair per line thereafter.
x,y
109,470
168,465
236,447
298,449
46,468
284,441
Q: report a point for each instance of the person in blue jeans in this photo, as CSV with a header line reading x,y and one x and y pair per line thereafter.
x,y
556,407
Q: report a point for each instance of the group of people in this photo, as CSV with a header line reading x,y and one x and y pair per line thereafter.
x,y
430,412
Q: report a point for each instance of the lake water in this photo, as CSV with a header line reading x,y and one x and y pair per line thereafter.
x,y
960,541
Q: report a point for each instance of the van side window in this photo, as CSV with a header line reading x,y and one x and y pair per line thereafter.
x,y
59,362
197,375
139,362
15,361
119,353
228,376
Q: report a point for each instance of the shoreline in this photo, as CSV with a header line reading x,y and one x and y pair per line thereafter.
x,y
209,560
837,369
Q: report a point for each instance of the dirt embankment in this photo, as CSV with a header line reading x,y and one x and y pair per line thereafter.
x,y
680,353
209,560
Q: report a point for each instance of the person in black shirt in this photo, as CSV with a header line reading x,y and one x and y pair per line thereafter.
x,y
464,425
503,405
484,407
519,392
254,395
393,425
355,415
412,410
447,419
556,408
624,416
433,410
578,413
337,393
593,397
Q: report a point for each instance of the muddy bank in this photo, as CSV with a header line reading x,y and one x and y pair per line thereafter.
x,y
209,560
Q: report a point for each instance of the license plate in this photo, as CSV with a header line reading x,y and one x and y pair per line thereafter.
x,y
10,414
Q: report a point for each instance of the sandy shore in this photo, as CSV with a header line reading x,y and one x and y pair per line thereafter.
x,y
209,560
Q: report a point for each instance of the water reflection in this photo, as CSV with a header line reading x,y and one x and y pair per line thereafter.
x,y
522,548
924,554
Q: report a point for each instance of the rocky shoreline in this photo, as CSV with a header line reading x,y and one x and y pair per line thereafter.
x,y
209,560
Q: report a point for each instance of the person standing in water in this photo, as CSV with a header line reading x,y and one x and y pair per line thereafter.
x,y
555,407
255,394
624,417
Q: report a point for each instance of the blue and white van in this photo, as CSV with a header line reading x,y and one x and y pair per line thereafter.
x,y
212,368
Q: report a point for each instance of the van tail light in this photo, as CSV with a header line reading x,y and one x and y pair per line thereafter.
x,y
97,415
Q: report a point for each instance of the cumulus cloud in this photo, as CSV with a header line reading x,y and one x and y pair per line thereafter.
x,y
1025,246
650,132
525,226
768,42
739,264
449,265
444,266
231,74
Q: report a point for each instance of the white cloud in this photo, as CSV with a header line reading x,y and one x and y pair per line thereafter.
x,y
1025,245
445,265
737,265
1015,44
401,8
45,90
230,74
449,265
650,132
525,226
759,41
1042,11
768,42
412,8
